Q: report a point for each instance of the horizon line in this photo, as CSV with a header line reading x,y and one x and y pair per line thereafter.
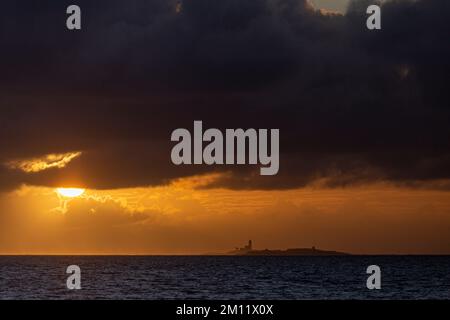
x,y
206,255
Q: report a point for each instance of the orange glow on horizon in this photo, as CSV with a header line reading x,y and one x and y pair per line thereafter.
x,y
182,218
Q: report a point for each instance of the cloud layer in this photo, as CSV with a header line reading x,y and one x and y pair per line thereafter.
x,y
352,106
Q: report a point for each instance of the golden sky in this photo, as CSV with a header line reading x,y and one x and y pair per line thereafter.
x,y
182,219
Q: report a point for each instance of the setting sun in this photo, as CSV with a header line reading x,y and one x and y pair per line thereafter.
x,y
70,192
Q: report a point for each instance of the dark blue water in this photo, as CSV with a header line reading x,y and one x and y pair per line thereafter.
x,y
163,277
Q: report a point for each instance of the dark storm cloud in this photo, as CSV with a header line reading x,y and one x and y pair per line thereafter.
x,y
352,105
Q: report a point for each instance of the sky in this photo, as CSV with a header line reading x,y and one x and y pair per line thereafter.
x,y
332,5
363,118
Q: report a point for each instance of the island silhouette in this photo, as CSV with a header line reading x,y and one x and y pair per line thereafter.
x,y
313,251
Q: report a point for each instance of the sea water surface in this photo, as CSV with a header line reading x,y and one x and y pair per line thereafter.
x,y
224,277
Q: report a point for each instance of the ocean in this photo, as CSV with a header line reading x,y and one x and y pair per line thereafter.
x,y
224,277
